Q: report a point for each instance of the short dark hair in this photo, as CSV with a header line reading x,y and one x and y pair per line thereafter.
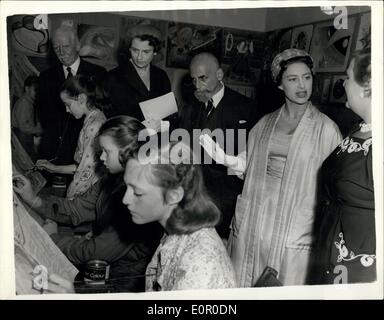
x,y
124,131
152,40
285,63
124,53
97,97
31,81
362,67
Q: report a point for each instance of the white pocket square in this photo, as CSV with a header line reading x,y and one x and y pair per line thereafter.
x,y
242,121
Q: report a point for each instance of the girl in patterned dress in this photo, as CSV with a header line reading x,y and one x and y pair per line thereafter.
x,y
82,98
170,190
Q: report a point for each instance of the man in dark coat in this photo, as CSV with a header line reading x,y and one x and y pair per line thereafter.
x,y
218,107
61,130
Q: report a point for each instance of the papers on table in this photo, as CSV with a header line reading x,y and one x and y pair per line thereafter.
x,y
160,107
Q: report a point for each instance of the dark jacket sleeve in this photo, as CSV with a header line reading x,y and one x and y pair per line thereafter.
x,y
106,246
80,209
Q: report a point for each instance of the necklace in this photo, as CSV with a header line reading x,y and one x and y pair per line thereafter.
x,y
365,127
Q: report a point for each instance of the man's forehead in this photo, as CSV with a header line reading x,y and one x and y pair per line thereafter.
x,y
63,38
199,69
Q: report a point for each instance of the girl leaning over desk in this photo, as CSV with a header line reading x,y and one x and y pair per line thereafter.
x,y
116,239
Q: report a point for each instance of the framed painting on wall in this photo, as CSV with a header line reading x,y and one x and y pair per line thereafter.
x,y
363,39
337,93
285,40
301,37
330,47
98,45
185,40
242,52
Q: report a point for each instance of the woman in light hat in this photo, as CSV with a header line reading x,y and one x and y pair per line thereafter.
x,y
136,79
273,222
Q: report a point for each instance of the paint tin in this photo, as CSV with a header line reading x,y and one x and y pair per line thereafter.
x,y
96,272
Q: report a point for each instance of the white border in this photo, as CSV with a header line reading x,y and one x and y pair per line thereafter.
x,y
7,280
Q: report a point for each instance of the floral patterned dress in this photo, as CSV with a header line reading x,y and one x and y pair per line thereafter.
x,y
85,175
346,245
190,261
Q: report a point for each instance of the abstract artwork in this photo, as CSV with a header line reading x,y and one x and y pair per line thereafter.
x,y
331,46
186,40
364,34
26,38
98,45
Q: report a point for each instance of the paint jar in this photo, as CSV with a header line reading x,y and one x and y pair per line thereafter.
x,y
96,272
59,186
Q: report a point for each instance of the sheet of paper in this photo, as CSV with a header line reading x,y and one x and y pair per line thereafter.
x,y
160,107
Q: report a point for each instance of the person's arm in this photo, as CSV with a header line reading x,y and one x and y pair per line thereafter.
x,y
50,167
236,163
62,210
106,246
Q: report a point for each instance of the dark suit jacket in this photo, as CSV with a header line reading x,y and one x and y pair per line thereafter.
x,y
55,121
234,111
126,89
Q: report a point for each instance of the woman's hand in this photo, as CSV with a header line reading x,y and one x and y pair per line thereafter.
x,y
57,284
213,149
152,124
46,165
217,153
22,186
50,226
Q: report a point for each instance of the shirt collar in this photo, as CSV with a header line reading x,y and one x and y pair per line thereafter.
x,y
216,98
74,67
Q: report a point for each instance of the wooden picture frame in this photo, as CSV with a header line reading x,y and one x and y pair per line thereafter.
x,y
301,37
337,93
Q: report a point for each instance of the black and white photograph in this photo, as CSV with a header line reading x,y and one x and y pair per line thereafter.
x,y
183,149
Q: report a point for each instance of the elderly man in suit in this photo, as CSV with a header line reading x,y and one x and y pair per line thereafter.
x,y
61,130
218,107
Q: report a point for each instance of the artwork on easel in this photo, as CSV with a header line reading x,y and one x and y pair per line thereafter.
x,y
364,32
186,40
301,37
35,248
337,93
330,47
22,164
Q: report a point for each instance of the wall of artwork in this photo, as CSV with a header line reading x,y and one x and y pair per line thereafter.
x,y
245,54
